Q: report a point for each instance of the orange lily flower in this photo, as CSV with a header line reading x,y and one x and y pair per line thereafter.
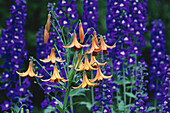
x,y
103,46
94,48
75,44
86,66
99,76
80,64
85,82
94,62
81,33
46,35
56,76
29,72
52,58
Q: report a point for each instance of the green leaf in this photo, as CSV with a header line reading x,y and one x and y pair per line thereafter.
x,y
55,86
130,95
77,92
58,102
129,105
121,105
60,109
151,109
88,105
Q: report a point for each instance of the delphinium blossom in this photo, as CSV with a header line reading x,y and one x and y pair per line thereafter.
x,y
125,24
12,44
159,65
90,16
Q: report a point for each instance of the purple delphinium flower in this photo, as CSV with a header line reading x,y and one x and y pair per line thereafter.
x,y
140,84
125,25
90,16
12,44
159,65
5,106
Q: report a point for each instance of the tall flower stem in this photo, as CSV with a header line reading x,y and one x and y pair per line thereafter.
x,y
61,62
124,89
68,89
71,74
59,27
71,104
92,90
132,80
19,81
155,100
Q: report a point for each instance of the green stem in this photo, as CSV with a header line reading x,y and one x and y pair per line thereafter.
x,y
19,81
71,104
92,90
62,62
59,26
58,33
124,89
116,91
132,80
155,100
68,89
42,66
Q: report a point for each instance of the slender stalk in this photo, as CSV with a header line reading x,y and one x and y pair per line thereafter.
x,y
92,90
62,62
58,33
59,26
155,100
41,66
132,80
68,90
124,89
116,91
71,104
19,81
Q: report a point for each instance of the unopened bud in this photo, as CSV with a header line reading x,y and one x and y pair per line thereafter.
x,y
47,26
81,33
46,35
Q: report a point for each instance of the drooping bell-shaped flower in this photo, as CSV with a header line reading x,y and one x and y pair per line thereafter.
x,y
29,72
86,66
75,44
99,76
94,62
94,48
103,46
52,58
55,77
85,82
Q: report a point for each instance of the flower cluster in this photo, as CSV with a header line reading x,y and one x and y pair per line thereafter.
x,y
12,44
125,25
140,88
159,65
90,15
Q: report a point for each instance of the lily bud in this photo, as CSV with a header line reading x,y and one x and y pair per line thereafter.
x,y
81,33
47,26
46,35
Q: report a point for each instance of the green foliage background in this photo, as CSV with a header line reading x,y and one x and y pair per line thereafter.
x,y
37,14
